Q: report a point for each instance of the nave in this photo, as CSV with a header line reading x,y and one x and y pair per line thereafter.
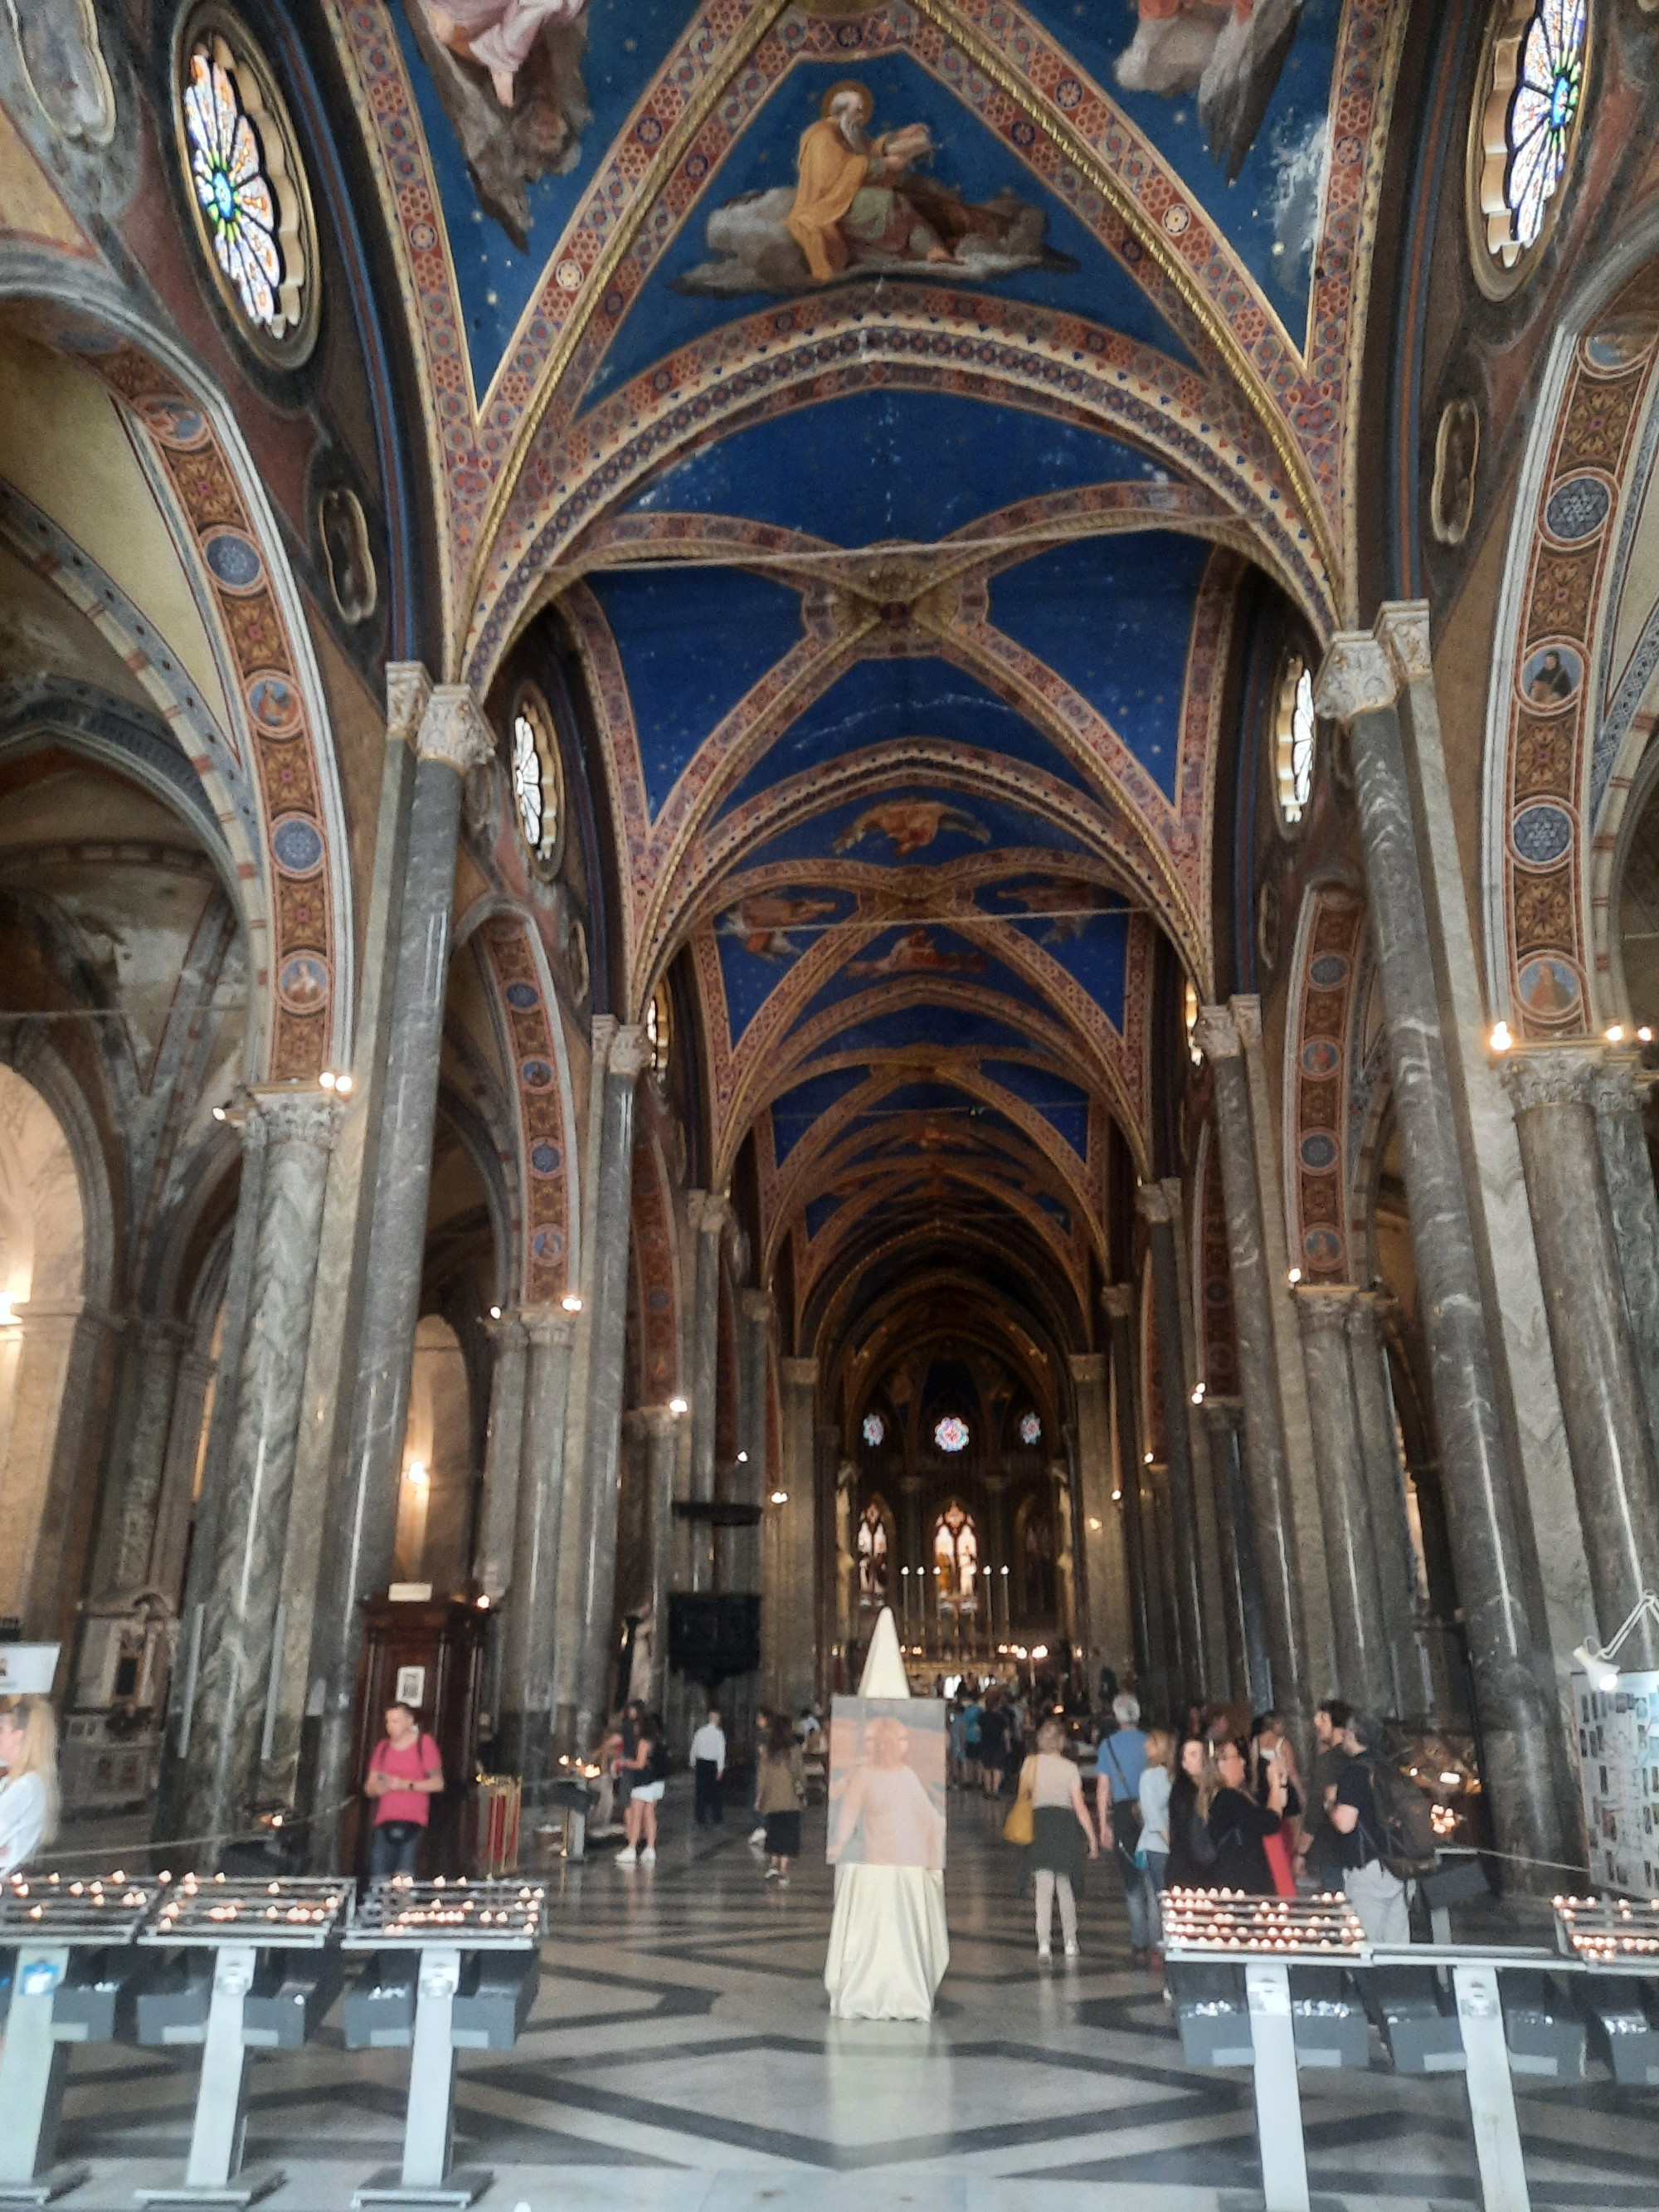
x,y
681,2057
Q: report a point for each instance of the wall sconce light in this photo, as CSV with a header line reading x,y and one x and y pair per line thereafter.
x,y
1614,1033
1294,1277
415,1474
571,1303
495,1313
676,1405
742,1459
1501,1040
780,1497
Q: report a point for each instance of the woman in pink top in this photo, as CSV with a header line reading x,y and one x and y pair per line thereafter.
x,y
404,1775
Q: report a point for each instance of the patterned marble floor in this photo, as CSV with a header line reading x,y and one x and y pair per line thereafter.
x,y
681,2057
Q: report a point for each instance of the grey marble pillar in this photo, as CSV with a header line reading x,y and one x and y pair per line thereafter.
x,y
238,1652
1155,1506
1159,1206
755,1351
661,1450
527,1718
155,1349
787,1616
1105,1575
1618,1089
1365,1674
166,1570
1266,1467
1359,685
706,1218
492,1565
1385,1485
597,1562
1118,1300
1246,1622
1596,1367
362,1509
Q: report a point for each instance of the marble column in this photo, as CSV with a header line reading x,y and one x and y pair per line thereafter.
x,y
1105,1576
755,1350
1617,1088
166,1569
1359,685
707,1220
1266,1467
155,1348
498,1515
608,1345
1155,1496
1118,1300
661,1451
60,1386
362,1507
527,1718
239,1652
1385,1484
787,1615
1246,1621
1596,1367
1159,1205
1365,1674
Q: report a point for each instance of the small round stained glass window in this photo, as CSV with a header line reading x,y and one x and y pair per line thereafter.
x,y
248,187
1030,1428
660,1028
536,789
1525,124
874,1429
950,1434
1294,727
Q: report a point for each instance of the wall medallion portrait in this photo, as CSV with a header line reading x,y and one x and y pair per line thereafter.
x,y
58,43
864,204
1457,456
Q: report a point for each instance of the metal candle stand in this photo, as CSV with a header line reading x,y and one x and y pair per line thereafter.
x,y
443,1922
1603,1947
237,1920
50,1920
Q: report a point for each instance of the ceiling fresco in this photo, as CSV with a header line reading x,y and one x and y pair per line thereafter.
x,y
891,401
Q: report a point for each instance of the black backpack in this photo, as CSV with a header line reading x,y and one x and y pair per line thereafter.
x,y
1405,1843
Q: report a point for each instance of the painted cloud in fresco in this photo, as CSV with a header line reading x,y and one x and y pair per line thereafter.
x,y
862,205
509,75
762,925
910,823
1230,55
1067,901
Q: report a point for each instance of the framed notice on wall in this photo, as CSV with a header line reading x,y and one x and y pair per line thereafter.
x,y
1618,1772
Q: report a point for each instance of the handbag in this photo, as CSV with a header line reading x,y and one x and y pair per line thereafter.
x,y
1279,1863
1126,1819
1020,1826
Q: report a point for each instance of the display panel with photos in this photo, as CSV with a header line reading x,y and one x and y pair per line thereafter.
x,y
1618,1772
886,1782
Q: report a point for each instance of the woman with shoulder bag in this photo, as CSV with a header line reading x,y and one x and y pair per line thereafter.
x,y
781,1793
1191,1862
1061,1831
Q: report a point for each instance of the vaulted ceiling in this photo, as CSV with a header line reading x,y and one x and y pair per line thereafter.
x,y
904,586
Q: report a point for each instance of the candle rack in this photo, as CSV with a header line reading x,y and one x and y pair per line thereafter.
x,y
294,1912
1609,1931
469,1915
1225,1924
47,1909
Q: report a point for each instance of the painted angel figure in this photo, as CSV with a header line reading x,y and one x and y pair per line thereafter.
x,y
498,35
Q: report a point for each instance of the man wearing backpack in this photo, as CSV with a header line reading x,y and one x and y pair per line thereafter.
x,y
1377,1895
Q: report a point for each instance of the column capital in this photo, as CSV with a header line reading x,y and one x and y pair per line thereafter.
x,y
756,1306
547,1324
407,688
1222,1413
1550,1075
1246,1010
1620,1083
1357,677
1154,1205
1402,630
1215,1035
453,730
157,1329
303,1114
1323,1306
649,1421
800,1374
711,1216
1119,1301
1088,1366
630,1051
505,1326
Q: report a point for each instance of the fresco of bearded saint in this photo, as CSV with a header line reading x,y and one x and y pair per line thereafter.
x,y
498,35
849,194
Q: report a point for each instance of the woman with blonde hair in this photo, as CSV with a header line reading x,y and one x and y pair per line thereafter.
x,y
28,1786
1060,1829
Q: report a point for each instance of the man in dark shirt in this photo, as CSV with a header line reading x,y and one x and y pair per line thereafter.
x,y
1377,1897
1320,1852
993,1742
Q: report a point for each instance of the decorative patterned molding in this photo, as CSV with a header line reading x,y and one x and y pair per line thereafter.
x,y
534,1056
1317,1078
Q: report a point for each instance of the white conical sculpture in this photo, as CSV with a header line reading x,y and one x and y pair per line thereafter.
x,y
889,1945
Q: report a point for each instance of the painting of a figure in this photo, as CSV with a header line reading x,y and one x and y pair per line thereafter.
x,y
956,1556
763,924
909,824
509,73
886,1782
861,205
915,953
1230,54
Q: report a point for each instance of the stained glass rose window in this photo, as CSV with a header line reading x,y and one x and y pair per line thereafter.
x,y
1532,96
950,1434
537,796
1030,1428
248,187
528,780
874,1429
